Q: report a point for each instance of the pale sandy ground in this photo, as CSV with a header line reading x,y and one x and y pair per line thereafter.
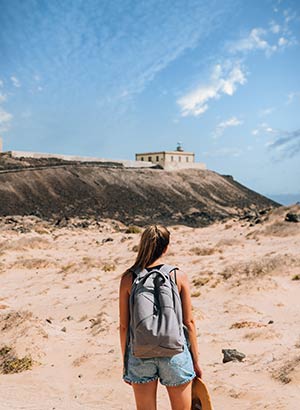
x,y
237,274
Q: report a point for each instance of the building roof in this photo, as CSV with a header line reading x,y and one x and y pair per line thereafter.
x,y
166,152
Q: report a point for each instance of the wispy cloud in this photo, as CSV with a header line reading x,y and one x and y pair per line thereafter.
x,y
269,39
15,81
5,119
266,111
122,45
221,127
224,80
224,152
281,142
287,143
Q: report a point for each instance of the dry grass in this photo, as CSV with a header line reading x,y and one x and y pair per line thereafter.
x,y
247,324
258,268
283,374
133,229
10,363
25,243
34,263
109,267
198,282
203,251
281,229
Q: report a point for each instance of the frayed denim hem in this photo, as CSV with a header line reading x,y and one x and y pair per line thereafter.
x,y
179,384
126,379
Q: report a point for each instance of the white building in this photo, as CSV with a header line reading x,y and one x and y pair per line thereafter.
x,y
178,159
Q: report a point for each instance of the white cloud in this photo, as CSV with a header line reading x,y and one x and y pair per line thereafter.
x,y
255,132
274,27
2,98
231,122
282,41
15,81
255,40
223,80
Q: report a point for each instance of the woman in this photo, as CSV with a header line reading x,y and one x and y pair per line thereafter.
x,y
178,371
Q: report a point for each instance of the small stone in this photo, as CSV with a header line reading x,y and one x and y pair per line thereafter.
x,y
232,355
270,322
80,376
49,321
107,240
63,329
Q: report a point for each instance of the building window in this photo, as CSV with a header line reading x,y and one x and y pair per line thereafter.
x,y
187,159
142,158
150,159
172,158
179,158
157,158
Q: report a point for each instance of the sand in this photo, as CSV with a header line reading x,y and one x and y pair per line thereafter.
x,y
59,305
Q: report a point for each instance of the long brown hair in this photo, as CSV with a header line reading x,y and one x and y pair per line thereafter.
x,y
153,243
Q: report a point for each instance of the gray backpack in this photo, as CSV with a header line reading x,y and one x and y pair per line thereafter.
x,y
156,328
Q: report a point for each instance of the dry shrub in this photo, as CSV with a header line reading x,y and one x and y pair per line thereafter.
x,y
99,324
282,229
34,263
283,374
259,268
25,243
10,363
196,294
109,267
133,229
227,242
13,319
201,281
202,251
248,324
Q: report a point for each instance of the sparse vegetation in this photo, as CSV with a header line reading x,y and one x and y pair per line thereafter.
x,y
109,267
202,251
260,267
133,229
10,363
201,281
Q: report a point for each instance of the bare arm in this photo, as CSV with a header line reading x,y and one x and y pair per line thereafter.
x,y
124,293
188,319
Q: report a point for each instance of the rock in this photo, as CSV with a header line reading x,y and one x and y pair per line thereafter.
x,y
107,240
270,322
63,329
232,355
292,217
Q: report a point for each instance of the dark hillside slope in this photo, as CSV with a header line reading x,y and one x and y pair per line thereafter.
x,y
139,196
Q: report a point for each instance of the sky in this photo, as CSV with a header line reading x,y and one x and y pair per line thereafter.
x,y
112,78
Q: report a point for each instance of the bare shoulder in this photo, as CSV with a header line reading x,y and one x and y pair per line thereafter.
x,y
181,279
126,281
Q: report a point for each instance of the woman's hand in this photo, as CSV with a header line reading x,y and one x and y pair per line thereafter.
x,y
198,370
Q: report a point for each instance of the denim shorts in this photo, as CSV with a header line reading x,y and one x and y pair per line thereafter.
x,y
171,371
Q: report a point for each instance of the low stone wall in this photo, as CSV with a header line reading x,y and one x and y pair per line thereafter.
x,y
126,163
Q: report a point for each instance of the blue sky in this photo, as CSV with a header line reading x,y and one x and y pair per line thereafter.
x,y
111,78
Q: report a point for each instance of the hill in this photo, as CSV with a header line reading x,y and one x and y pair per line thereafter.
x,y
132,196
